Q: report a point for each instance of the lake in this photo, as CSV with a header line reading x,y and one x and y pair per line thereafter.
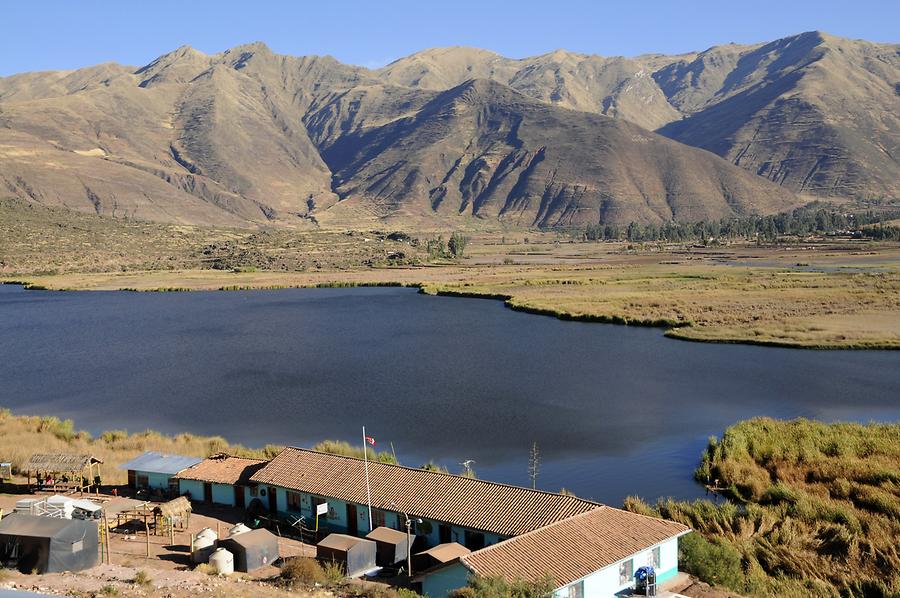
x,y
615,410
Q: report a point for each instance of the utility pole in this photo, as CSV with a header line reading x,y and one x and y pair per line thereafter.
x,y
534,464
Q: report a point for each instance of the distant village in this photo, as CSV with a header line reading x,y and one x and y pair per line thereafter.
x,y
428,531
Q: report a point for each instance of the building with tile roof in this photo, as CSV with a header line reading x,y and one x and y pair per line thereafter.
x,y
221,479
453,508
591,554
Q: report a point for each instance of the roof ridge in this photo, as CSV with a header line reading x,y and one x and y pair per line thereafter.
x,y
448,474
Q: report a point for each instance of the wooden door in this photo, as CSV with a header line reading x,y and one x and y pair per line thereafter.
x,y
352,525
273,500
239,497
207,492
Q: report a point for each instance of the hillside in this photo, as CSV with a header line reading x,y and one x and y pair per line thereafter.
x,y
482,149
816,113
249,137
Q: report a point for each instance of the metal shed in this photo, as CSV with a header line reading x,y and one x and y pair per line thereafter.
x,y
356,554
48,545
439,555
391,545
252,550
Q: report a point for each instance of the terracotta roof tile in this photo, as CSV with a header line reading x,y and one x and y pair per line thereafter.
x,y
476,504
573,548
222,469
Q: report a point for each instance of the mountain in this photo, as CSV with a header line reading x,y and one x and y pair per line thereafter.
x,y
485,150
455,134
815,113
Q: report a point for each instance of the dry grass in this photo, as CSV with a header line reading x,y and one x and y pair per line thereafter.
x,y
25,435
825,294
816,511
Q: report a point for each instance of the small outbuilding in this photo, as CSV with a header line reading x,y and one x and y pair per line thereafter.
x,y
252,550
439,555
156,471
48,544
391,545
356,554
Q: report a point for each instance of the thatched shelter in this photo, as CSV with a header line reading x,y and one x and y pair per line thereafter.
x,y
173,514
63,472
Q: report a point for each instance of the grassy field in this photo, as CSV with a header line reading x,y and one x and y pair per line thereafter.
x,y
814,511
25,435
816,294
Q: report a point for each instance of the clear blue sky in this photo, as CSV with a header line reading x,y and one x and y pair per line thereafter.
x,y
65,34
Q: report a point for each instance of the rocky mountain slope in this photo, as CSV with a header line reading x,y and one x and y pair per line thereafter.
x,y
815,113
249,136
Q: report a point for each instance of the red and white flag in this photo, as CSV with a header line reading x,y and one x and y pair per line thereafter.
x,y
370,440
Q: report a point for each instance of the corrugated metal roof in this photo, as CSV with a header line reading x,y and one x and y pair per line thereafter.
x,y
386,534
222,469
155,462
573,548
341,542
446,552
475,504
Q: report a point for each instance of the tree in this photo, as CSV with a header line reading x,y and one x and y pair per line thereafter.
x,y
457,245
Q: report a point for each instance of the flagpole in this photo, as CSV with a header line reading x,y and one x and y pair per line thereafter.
x,y
368,486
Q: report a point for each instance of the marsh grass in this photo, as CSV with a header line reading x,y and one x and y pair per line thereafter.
x,y
25,435
814,510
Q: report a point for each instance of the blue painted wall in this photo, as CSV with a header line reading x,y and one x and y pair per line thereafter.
x,y
443,581
336,521
155,480
193,487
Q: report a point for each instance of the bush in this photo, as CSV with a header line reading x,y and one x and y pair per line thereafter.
x,y
206,568
303,570
714,562
432,466
334,574
141,578
498,587
113,436
109,590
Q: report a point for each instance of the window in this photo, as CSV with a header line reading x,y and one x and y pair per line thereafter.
x,y
626,572
293,501
377,518
653,558
444,533
576,590
474,540
254,490
143,480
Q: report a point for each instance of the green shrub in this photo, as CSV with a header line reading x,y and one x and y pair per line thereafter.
x,y
141,578
497,587
714,562
109,590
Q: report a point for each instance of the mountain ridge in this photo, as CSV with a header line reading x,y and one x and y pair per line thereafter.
x,y
251,136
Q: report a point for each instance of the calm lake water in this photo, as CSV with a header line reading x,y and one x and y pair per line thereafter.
x,y
614,410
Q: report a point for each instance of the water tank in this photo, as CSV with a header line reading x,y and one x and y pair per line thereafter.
x,y
222,561
238,529
208,533
203,548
